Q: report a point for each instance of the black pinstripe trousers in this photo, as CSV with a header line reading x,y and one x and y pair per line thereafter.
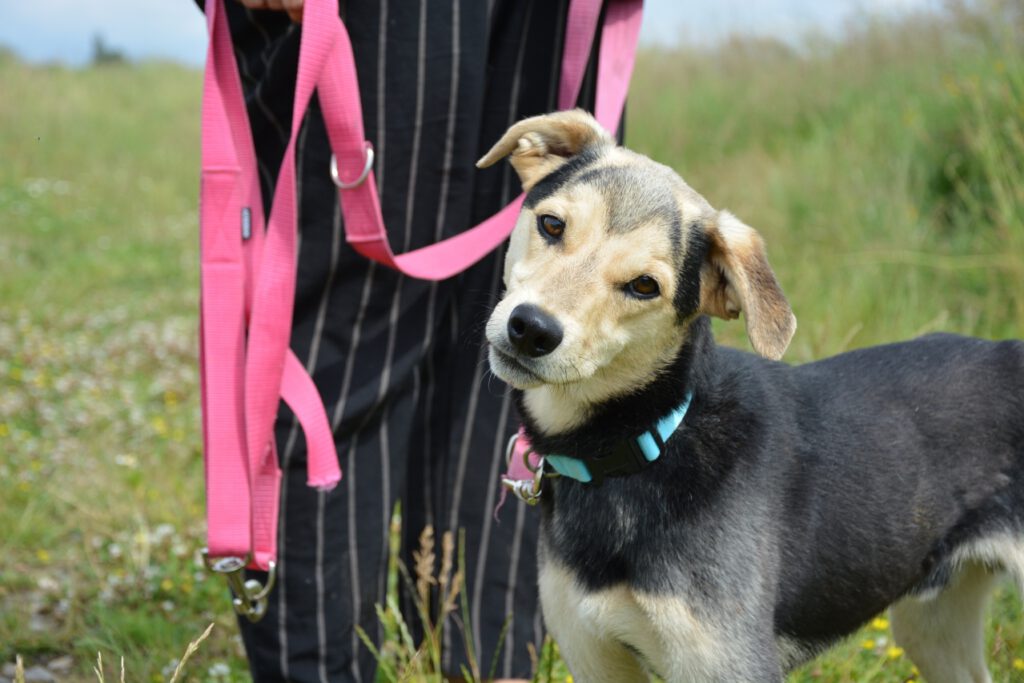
x,y
400,362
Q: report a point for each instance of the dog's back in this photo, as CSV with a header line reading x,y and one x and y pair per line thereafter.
x,y
907,465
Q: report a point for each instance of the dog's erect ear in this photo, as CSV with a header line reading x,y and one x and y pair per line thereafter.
x,y
541,144
736,277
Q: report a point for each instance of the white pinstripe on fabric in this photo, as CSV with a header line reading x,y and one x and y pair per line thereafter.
x,y
488,517
321,617
282,631
385,381
339,412
474,396
350,470
350,463
556,62
442,216
378,144
513,574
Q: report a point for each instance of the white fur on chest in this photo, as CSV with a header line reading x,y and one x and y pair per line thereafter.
x,y
596,632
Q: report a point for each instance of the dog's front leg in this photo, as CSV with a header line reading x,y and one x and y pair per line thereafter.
x,y
591,660
578,621
708,646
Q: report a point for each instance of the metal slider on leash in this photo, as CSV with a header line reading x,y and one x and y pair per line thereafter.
x,y
250,596
367,167
526,490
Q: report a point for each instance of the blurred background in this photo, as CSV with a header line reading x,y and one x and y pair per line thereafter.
x,y
877,145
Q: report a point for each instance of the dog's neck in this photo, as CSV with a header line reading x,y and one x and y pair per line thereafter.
x,y
586,431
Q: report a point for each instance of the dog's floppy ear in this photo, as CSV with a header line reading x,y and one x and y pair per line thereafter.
x,y
541,144
736,277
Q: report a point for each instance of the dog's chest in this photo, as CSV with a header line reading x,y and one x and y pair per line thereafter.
x,y
612,615
660,629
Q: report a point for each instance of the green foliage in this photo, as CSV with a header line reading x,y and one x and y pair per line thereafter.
x,y
885,171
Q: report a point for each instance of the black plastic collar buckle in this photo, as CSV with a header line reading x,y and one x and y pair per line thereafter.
x,y
625,458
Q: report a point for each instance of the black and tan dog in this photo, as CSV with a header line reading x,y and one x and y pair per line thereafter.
x,y
722,516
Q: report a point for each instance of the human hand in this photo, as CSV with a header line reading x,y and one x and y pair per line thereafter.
x,y
292,7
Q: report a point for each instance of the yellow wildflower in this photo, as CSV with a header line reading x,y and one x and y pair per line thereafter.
x,y
166,585
159,425
868,644
894,652
1018,664
880,623
43,556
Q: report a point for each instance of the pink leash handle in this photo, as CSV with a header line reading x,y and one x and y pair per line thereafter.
x,y
248,273
247,289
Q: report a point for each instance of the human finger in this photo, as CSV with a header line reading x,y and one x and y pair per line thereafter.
x,y
294,9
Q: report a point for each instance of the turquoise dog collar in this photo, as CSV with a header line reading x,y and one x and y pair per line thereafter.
x,y
628,457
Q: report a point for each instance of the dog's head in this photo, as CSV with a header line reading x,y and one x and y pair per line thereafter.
x,y
612,258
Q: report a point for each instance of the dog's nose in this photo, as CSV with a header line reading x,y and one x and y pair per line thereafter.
x,y
532,331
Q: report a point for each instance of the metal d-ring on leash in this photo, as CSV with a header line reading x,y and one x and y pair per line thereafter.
x,y
362,176
250,596
526,490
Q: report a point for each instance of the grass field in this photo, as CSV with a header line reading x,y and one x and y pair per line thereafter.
x,y
886,173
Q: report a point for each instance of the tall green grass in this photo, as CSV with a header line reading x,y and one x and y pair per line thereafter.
x,y
885,171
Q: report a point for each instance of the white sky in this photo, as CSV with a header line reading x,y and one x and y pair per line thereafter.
x,y
62,30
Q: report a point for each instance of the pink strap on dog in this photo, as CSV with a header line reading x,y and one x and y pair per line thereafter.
x,y
248,265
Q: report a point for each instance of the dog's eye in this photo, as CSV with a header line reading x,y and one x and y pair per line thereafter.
x,y
550,227
643,287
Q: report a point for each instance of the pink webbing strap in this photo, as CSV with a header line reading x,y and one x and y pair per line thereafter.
x,y
224,190
248,273
248,281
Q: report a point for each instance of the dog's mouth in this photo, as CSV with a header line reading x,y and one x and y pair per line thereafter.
x,y
512,370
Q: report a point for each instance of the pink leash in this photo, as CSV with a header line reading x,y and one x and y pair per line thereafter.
x,y
248,264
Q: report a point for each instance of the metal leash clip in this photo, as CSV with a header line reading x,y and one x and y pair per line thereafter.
x,y
526,490
250,596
